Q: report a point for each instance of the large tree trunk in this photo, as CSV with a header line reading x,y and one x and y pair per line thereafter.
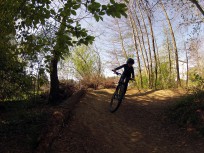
x,y
174,44
54,81
54,97
136,49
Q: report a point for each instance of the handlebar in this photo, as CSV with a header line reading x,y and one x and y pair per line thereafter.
x,y
117,73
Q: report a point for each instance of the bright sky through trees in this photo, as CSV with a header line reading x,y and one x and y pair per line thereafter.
x,y
104,32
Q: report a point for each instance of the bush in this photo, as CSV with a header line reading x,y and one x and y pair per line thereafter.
x,y
189,112
99,82
109,83
67,88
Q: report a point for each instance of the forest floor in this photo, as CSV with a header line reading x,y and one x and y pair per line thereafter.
x,y
139,126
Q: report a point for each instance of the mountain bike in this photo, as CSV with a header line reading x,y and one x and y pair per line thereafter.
x,y
118,95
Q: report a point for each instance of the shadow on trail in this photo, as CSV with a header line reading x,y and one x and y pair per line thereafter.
x,y
143,93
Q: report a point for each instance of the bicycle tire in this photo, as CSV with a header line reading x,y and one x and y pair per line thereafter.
x,y
118,100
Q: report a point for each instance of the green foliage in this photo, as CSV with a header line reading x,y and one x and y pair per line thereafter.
x,y
34,13
15,83
145,82
165,77
197,80
33,29
87,66
188,111
85,61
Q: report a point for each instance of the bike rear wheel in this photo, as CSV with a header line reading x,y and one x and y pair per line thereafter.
x,y
116,99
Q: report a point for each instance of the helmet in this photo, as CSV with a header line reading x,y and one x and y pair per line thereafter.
x,y
130,61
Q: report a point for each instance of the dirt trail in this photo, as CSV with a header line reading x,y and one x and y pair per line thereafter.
x,y
139,126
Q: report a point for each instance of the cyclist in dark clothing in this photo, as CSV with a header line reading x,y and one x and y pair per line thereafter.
x,y
128,71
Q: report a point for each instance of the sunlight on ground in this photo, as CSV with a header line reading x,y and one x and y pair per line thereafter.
x,y
133,93
136,136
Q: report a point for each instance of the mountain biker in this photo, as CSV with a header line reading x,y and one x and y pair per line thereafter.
x,y
128,71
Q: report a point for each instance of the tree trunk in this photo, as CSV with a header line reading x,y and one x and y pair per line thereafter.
x,y
54,81
122,41
158,58
139,42
198,6
149,48
142,45
174,44
54,96
154,50
136,49
169,56
187,68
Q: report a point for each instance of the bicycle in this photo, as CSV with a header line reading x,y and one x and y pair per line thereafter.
x,y
118,95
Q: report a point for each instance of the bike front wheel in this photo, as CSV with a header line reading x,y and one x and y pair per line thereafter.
x,y
116,100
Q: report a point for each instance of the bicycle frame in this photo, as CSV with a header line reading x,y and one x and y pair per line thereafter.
x,y
118,95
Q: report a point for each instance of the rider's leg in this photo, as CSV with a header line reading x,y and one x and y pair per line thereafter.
x,y
126,84
121,80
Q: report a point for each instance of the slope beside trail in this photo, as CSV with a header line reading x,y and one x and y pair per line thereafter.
x,y
139,126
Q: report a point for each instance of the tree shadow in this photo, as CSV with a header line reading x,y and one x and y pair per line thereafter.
x,y
142,93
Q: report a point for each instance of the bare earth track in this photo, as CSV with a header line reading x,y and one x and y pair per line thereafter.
x,y
139,126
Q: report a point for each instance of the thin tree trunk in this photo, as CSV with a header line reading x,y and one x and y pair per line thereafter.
x,y
154,50
187,68
122,41
143,44
169,55
149,48
153,45
158,59
198,6
136,49
174,44
139,42
116,55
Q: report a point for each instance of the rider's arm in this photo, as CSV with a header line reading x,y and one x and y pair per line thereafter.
x,y
133,73
119,67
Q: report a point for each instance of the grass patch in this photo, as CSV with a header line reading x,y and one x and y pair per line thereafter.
x,y
189,112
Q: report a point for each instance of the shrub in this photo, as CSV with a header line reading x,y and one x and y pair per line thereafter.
x,y
189,112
